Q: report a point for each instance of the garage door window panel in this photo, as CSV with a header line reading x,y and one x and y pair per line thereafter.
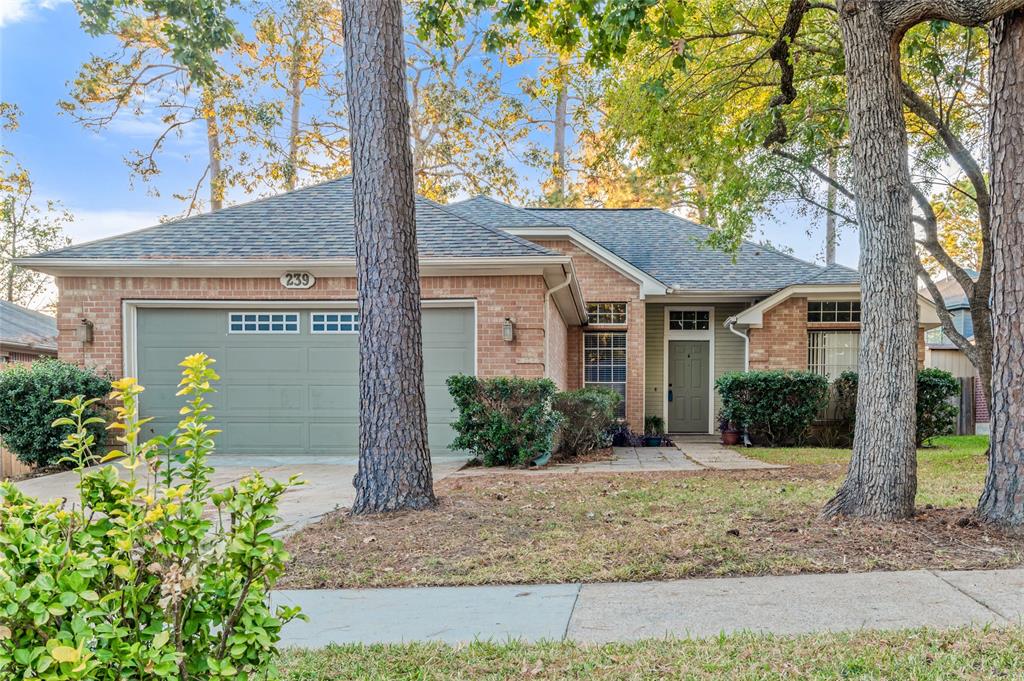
x,y
263,322
334,322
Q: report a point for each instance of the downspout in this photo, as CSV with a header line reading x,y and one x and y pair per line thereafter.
x,y
545,457
730,324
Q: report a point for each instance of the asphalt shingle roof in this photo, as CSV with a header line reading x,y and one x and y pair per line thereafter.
x,y
314,223
27,327
667,247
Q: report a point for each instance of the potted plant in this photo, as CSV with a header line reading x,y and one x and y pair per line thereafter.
x,y
654,431
730,433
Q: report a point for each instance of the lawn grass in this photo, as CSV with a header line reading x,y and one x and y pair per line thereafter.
x,y
915,654
508,529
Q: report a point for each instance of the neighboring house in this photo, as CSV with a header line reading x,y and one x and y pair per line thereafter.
x,y
25,335
628,299
941,353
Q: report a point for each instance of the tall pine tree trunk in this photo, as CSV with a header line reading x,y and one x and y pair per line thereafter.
x,y
830,215
213,149
1002,501
394,461
558,170
881,481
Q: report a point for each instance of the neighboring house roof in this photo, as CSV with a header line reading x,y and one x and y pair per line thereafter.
x,y
312,223
26,328
670,249
952,292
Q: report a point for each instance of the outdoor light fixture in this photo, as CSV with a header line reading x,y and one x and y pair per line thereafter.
x,y
508,333
85,331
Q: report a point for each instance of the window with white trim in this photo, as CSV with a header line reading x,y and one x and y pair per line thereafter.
x,y
689,320
830,353
833,311
604,363
263,322
334,322
606,313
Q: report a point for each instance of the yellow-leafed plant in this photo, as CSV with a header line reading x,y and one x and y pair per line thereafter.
x,y
152,574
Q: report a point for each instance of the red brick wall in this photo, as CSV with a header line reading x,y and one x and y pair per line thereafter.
x,y
603,284
99,300
981,414
781,342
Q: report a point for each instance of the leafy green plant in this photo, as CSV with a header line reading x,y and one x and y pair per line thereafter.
x,y
138,580
936,412
776,408
654,425
587,415
30,401
504,421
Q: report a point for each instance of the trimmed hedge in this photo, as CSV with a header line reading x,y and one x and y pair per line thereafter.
x,y
28,407
504,421
776,408
587,416
936,414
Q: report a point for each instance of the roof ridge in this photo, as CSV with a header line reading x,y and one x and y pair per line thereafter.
x,y
519,209
198,216
494,230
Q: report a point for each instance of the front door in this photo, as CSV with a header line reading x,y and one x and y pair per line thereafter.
x,y
688,386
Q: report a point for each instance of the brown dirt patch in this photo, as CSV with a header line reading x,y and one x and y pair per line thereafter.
x,y
499,529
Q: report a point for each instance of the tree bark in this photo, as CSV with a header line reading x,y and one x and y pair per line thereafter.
x,y
561,123
394,462
881,481
1002,501
213,148
830,214
295,83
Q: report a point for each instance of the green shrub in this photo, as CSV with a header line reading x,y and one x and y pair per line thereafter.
x,y
936,413
504,421
587,415
775,407
134,580
28,395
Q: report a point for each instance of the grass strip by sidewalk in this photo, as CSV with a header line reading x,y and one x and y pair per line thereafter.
x,y
913,654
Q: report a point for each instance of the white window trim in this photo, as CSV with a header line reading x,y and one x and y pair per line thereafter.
x,y
583,362
354,332
298,323
613,325
696,335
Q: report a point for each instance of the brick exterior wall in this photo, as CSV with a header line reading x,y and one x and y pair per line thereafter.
x,y
603,284
781,342
99,300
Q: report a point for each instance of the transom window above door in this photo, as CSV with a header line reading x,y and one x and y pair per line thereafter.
x,y
689,320
833,311
606,313
263,322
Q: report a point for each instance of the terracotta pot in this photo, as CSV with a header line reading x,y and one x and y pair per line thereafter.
x,y
730,437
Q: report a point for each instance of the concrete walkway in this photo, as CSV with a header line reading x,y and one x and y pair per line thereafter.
x,y
711,454
599,613
328,486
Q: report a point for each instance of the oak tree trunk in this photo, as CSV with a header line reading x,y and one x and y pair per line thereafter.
x,y
394,461
1002,500
881,481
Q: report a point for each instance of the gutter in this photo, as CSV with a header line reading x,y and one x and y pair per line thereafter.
x,y
730,324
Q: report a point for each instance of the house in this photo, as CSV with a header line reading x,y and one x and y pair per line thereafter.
x,y
942,353
627,299
25,335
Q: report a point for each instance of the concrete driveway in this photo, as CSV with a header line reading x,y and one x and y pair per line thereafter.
x,y
328,485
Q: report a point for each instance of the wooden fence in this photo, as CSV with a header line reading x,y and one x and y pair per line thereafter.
x,y
10,467
965,421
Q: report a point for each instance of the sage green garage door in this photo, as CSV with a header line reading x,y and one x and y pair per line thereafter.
x,y
288,378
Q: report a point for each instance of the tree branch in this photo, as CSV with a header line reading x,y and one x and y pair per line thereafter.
x,y
929,222
780,54
949,328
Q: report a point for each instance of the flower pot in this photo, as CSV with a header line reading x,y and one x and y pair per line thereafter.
x,y
730,437
652,441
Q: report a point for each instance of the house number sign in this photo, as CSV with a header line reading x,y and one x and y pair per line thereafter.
x,y
297,280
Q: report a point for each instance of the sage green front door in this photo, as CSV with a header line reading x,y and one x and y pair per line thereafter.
x,y
288,381
688,386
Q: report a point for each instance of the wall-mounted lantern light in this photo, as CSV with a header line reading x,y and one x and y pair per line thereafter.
x,y
508,332
85,331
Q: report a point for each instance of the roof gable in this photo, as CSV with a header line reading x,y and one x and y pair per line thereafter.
x,y
311,223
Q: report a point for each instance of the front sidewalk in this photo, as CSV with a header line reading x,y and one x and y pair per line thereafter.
x,y
600,613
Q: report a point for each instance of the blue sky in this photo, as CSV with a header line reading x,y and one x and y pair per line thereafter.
x,y
41,49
